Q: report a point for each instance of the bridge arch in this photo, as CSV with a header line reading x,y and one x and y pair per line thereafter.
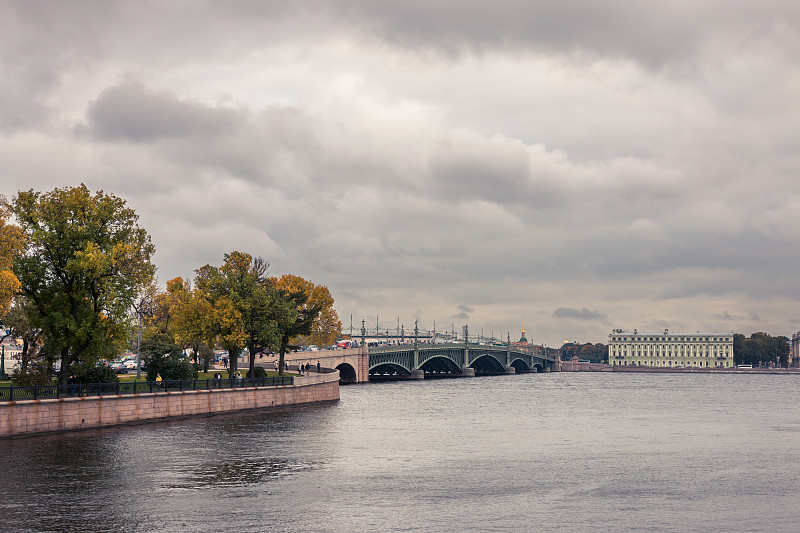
x,y
388,368
347,374
487,363
520,366
440,365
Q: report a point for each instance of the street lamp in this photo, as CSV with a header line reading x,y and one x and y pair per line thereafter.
x,y
3,357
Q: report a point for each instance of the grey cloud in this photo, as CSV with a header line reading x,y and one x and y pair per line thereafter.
x,y
130,112
653,34
489,169
461,316
580,314
466,308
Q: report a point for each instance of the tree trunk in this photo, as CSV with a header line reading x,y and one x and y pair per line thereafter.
x,y
233,362
252,351
66,361
23,360
282,351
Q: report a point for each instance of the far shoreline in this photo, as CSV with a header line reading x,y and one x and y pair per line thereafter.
x,y
571,366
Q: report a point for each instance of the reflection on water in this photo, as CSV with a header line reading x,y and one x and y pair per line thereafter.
x,y
239,472
549,452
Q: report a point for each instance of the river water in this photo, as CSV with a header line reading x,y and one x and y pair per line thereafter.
x,y
546,452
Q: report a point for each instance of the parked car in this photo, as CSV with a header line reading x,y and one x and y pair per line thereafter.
x,y
119,366
130,364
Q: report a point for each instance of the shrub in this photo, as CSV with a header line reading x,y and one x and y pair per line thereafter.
x,y
164,357
30,378
258,372
95,374
176,367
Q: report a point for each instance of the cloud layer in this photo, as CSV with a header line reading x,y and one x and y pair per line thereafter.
x,y
588,166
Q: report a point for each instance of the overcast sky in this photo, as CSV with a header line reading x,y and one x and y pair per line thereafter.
x,y
586,165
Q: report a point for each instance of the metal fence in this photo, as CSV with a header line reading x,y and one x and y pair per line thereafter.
x,y
42,392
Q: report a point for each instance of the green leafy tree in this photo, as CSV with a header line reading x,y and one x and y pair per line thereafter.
x,y
86,260
761,349
241,305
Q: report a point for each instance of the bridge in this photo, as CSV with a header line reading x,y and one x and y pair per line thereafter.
x,y
416,361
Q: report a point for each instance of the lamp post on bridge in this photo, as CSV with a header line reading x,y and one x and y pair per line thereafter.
x,y
363,333
416,372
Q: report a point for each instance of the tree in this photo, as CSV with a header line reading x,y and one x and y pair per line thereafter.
x,y
86,261
241,305
188,323
163,306
297,312
12,245
326,327
761,349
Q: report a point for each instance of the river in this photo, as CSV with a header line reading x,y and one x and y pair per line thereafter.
x,y
537,452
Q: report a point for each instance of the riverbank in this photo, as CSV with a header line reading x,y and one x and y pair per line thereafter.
x,y
35,417
571,366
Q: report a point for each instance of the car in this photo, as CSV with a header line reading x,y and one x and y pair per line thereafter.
x,y
130,364
119,366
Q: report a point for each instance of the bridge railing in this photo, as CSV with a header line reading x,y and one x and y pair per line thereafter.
x,y
457,345
43,392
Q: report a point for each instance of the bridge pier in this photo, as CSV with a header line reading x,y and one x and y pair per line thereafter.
x,y
417,374
511,370
468,372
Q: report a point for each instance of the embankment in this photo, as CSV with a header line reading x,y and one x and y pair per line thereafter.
x,y
32,417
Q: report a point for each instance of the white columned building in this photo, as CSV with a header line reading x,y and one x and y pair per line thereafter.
x,y
670,350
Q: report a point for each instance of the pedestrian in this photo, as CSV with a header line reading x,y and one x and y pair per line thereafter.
x,y
318,367
302,369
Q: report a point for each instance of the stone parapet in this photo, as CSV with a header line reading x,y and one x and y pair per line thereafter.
x,y
31,417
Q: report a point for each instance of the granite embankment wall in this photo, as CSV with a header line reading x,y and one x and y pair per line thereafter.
x,y
31,417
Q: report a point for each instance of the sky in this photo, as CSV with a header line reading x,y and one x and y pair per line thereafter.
x,y
581,165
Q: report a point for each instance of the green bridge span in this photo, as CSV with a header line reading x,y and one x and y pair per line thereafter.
x,y
416,360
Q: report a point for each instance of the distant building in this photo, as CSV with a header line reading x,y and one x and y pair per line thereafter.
x,y
794,362
675,350
524,345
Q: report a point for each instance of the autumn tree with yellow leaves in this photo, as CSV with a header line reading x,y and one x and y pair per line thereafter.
x,y
308,314
12,245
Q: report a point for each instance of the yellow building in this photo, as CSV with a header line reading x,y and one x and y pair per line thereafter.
x,y
675,350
